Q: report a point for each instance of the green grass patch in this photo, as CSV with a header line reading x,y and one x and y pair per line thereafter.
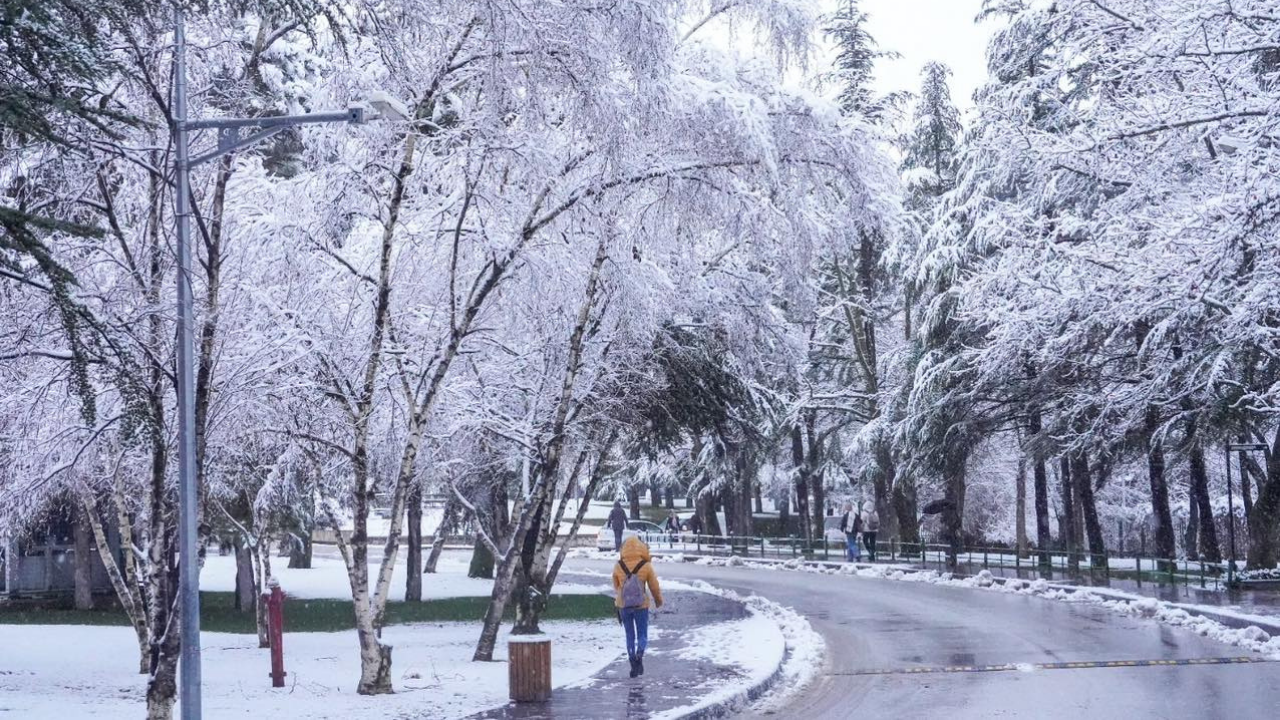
x,y
218,613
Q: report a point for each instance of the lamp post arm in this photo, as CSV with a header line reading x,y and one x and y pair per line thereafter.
x,y
229,139
353,115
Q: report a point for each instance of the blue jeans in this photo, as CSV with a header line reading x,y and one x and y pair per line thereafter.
x,y
636,622
854,552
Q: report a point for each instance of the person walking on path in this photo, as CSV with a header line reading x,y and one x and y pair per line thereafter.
x,y
672,527
851,525
695,524
870,526
617,522
631,576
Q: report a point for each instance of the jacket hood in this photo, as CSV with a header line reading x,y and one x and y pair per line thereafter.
x,y
633,551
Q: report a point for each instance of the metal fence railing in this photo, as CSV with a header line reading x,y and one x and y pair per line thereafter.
x,y
1033,563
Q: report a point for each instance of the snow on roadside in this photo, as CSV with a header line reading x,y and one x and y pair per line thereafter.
x,y
803,650
754,645
1252,638
62,671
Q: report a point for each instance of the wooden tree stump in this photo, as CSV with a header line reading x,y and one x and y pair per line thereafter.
x,y
529,669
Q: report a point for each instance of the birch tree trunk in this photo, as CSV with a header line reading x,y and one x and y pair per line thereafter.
x,y
83,561
447,524
534,506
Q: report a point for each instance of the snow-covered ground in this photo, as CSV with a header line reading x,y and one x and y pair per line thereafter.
x,y
62,672
327,578
67,671
380,526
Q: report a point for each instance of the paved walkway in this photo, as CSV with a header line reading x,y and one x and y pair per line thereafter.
x,y
668,683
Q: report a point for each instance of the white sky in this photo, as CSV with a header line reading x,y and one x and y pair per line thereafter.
x,y
926,30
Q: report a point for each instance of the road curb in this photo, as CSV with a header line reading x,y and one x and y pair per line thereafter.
x,y
1235,622
735,704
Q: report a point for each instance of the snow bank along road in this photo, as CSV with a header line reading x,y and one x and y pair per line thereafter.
x,y
879,631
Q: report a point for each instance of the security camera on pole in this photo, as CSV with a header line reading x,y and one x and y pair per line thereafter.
x,y
381,106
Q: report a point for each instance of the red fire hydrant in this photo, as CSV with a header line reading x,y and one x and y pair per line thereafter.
x,y
275,630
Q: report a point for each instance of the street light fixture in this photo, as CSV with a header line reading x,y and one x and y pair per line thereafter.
x,y
1231,504
229,141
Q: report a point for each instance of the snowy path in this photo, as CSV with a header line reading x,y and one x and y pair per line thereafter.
x,y
882,626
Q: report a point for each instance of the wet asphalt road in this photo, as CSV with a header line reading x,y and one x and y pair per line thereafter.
x,y
884,625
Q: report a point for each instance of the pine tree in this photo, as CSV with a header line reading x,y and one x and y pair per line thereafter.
x,y
854,72
934,141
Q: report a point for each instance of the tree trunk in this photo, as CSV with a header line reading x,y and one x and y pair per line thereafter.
x,y
953,514
1070,542
816,476
447,523
83,561
1040,481
1020,511
300,554
731,516
1083,481
883,483
802,485
757,495
748,496
670,497
707,511
633,502
246,594
1160,513
481,561
655,494
1248,471
1264,522
906,508
413,556
162,688
1210,551
261,555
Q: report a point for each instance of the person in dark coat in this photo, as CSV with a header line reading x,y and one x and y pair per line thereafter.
x,y
617,522
672,527
695,524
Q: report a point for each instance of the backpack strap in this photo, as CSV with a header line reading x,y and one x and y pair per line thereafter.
x,y
638,566
627,572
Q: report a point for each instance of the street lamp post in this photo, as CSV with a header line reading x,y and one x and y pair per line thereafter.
x,y
229,140
1231,504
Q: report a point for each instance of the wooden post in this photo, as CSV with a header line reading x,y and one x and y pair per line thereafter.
x,y
529,667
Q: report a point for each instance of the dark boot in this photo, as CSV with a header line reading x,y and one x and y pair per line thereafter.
x,y
639,664
635,667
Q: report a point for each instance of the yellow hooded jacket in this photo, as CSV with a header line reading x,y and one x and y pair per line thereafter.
x,y
633,551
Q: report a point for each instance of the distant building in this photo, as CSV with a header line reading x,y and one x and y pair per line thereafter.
x,y
43,562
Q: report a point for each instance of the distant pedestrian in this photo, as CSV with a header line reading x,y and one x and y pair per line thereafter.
x,y
617,523
672,527
695,524
851,526
870,526
631,576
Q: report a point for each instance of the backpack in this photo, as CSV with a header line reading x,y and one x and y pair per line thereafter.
x,y
632,588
